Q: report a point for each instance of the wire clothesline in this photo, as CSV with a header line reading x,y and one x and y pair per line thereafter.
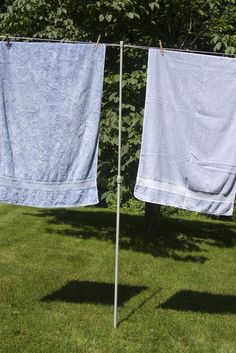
x,y
178,49
55,40
131,46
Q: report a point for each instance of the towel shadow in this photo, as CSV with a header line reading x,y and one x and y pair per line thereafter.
x,y
93,293
186,300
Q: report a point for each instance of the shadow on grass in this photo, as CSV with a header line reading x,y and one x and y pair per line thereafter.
x,y
186,300
176,234
145,301
93,293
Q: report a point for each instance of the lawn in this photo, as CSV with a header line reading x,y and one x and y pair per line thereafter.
x,y
177,293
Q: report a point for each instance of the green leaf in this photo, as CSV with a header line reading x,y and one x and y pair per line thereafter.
x,y
108,18
105,194
154,5
101,18
130,15
137,154
215,39
230,50
217,46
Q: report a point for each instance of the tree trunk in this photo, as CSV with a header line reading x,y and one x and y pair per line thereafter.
x,y
152,215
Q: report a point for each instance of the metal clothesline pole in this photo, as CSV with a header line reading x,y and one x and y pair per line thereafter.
x,y
119,181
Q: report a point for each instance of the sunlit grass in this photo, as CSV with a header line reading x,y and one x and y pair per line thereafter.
x,y
177,294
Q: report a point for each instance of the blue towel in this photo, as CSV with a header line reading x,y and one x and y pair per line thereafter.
x,y
188,154
50,102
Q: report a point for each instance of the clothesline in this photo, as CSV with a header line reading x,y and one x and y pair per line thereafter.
x,y
131,46
177,49
56,40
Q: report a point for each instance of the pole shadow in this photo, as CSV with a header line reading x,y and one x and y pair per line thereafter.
x,y
132,312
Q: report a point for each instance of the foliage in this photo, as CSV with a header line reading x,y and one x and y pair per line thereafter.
x,y
39,18
222,28
193,24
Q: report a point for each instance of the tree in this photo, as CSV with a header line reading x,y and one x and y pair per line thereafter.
x,y
187,24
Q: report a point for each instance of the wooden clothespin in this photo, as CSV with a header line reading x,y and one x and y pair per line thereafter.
x,y
8,44
161,47
98,41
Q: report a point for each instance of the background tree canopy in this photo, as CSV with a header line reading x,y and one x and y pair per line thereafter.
x,y
188,24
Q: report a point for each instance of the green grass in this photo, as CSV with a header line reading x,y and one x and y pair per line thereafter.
x,y
178,292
